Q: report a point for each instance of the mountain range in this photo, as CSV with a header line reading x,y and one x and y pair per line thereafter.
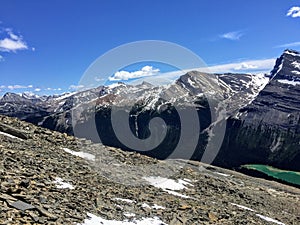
x,y
260,115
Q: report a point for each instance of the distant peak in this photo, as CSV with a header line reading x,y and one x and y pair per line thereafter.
x,y
291,52
287,65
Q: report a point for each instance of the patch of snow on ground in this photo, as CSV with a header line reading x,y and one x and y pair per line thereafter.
x,y
177,194
185,182
188,180
168,185
243,207
83,155
95,220
165,183
269,219
124,200
62,185
222,174
259,215
9,135
155,206
291,82
129,215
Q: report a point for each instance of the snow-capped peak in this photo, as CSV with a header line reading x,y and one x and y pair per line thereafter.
x,y
291,52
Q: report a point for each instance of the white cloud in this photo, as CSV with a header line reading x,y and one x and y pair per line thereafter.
x,y
16,86
234,35
98,79
53,89
12,42
248,66
289,45
294,12
76,87
11,45
146,71
37,89
245,66
12,35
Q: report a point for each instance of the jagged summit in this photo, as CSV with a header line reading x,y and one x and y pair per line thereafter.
x,y
287,66
291,52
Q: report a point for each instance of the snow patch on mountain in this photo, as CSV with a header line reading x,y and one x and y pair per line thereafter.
x,y
278,70
289,82
114,85
291,52
64,96
295,72
296,65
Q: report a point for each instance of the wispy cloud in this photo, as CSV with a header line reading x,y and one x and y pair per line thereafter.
x,y
247,66
76,87
53,89
146,71
17,86
12,42
29,88
289,45
294,12
234,35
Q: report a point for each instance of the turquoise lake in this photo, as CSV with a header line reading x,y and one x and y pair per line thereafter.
x,y
285,175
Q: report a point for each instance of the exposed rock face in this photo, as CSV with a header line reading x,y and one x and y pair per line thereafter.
x,y
268,130
42,181
25,107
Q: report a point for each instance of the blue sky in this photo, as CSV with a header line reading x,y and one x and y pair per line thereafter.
x,y
45,46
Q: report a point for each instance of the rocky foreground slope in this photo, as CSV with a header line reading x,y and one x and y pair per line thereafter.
x,y
52,178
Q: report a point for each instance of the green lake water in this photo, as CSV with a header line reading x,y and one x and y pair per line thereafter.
x,y
288,176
